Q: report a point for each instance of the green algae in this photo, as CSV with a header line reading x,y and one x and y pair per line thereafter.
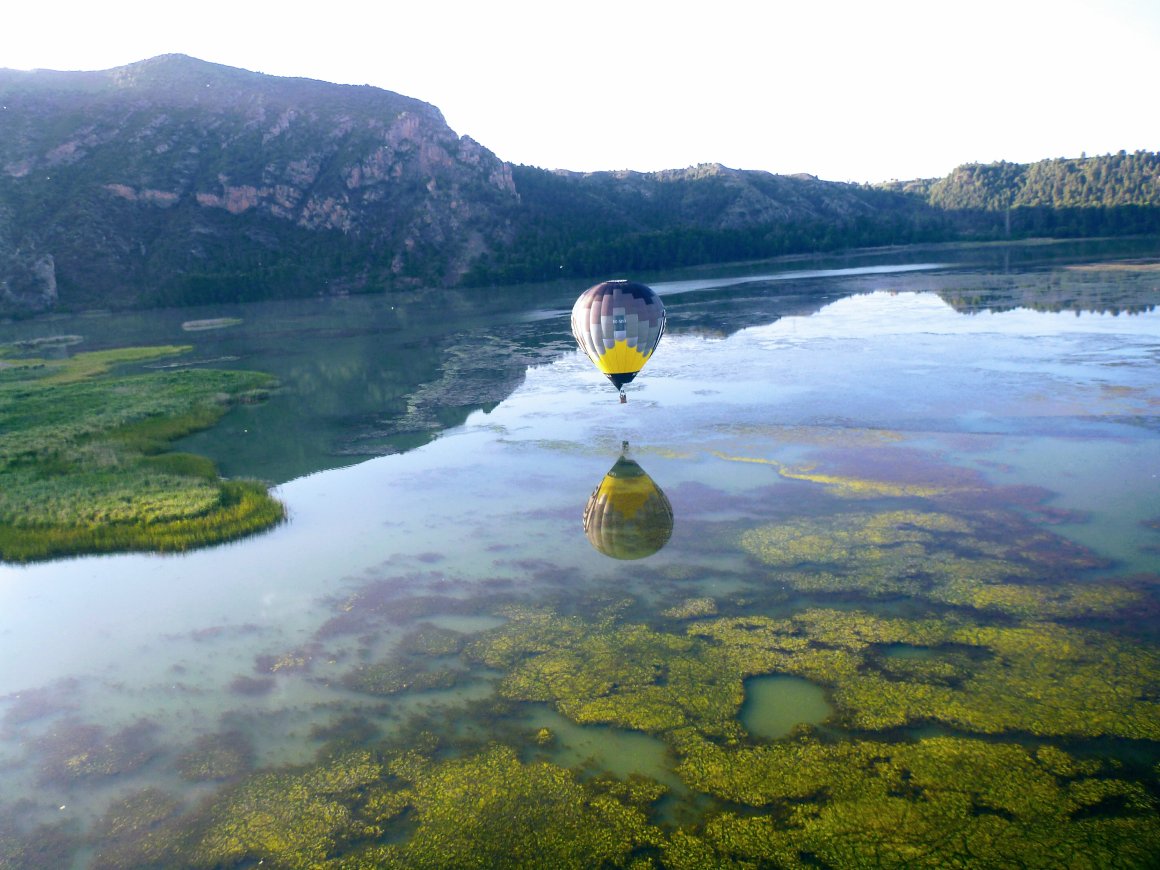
x,y
36,846
71,750
943,558
939,802
141,829
426,798
1040,678
391,677
225,755
625,675
691,608
403,809
294,819
492,810
413,665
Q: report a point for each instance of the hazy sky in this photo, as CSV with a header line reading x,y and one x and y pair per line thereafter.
x,y
848,91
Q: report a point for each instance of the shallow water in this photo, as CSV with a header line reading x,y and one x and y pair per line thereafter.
x,y
1008,449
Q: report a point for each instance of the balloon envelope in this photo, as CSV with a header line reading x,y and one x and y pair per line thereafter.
x,y
628,516
618,324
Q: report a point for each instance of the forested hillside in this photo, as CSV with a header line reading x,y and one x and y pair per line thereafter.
x,y
1111,180
579,225
177,182
1111,194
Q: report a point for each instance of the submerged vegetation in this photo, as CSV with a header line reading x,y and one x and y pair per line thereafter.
x,y
83,467
994,702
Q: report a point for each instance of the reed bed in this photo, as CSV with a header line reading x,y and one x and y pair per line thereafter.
x,y
84,461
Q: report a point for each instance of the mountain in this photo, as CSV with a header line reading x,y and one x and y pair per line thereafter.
x,y
173,181
589,224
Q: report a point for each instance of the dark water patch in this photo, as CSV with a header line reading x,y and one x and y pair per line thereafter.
x,y
251,686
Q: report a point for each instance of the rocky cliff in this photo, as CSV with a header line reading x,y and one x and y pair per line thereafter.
x,y
174,181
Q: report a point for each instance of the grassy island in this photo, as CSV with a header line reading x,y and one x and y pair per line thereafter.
x,y
84,461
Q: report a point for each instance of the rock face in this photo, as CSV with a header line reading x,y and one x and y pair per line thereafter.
x,y
173,180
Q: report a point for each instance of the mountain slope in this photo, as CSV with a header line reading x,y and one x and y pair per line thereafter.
x,y
174,180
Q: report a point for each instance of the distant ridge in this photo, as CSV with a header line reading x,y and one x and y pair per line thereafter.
x,y
173,181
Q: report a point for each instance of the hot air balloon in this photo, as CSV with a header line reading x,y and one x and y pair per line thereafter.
x,y
627,515
618,324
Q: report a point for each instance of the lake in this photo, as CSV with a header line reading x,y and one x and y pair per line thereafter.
x,y
865,571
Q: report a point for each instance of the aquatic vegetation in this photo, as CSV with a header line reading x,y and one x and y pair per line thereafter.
x,y
349,731
1040,678
82,467
73,750
410,666
297,660
409,810
937,802
941,557
492,810
293,819
36,846
34,704
394,675
395,600
140,830
225,755
431,640
626,675
691,608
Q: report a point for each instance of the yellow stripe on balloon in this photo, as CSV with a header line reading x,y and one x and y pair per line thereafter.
x,y
621,359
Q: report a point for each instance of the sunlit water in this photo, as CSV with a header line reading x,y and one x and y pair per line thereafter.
x,y
738,427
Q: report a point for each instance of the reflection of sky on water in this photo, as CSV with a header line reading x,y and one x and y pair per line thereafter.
x,y
880,361
1060,401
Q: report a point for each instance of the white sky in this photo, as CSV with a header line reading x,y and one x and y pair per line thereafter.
x,y
848,91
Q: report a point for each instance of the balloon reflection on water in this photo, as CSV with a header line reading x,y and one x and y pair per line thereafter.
x,y
627,515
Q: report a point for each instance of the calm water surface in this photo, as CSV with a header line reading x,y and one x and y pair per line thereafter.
x,y
893,471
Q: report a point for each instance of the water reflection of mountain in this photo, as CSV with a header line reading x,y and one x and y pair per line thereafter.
x,y
1112,288
363,378
371,375
720,313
